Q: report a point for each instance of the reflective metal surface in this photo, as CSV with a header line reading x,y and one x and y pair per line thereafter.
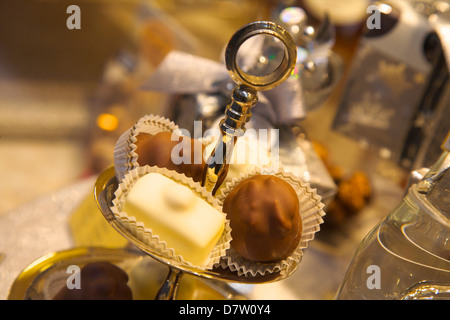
x,y
261,82
37,281
44,277
427,291
244,96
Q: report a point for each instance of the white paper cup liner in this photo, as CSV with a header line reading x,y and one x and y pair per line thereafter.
x,y
125,157
145,233
311,213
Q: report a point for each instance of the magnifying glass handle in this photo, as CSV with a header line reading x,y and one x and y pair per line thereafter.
x,y
237,114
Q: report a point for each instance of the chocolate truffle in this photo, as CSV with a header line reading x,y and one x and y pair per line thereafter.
x,y
156,150
264,217
99,281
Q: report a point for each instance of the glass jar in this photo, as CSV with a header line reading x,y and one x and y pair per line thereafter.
x,y
407,255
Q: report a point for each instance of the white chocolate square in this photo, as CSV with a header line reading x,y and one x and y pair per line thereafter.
x,y
181,218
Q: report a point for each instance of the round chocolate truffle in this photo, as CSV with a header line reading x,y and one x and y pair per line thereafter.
x,y
156,150
264,217
99,281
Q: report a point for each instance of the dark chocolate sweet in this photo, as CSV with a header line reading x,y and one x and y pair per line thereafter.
x,y
264,217
98,281
156,150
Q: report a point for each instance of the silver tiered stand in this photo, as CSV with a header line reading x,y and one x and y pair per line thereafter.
x,y
237,114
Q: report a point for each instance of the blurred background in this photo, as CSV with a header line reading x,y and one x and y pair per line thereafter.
x,y
67,95
64,102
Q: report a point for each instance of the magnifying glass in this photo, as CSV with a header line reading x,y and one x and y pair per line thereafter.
x,y
244,95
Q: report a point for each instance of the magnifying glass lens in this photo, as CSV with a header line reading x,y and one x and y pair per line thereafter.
x,y
260,55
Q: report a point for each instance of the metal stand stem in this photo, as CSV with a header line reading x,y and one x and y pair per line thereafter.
x,y
168,290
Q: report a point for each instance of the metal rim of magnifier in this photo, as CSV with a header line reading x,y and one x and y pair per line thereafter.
x,y
273,79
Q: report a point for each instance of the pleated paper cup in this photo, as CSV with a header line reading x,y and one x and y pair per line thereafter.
x,y
145,233
125,157
311,213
